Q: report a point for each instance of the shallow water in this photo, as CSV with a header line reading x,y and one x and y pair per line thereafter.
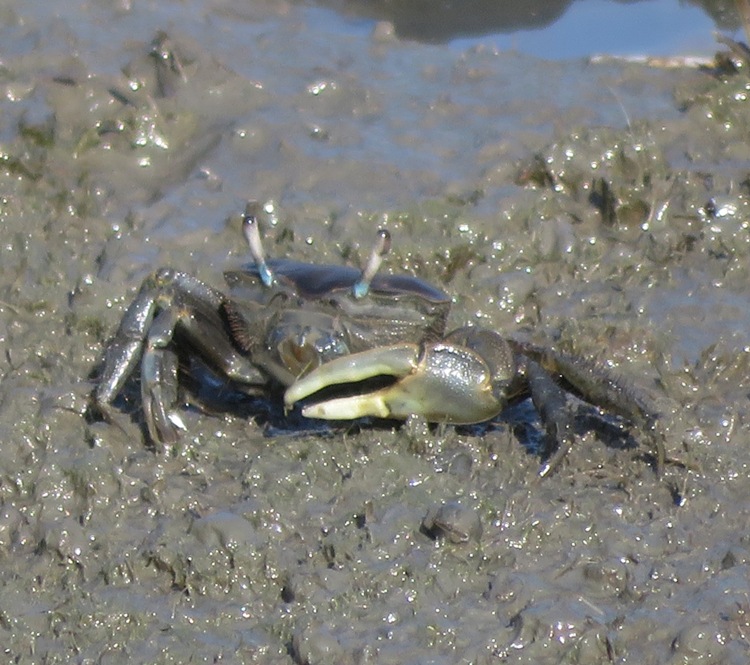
x,y
599,207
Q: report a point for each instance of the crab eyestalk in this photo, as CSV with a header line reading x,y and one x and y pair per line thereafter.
x,y
381,248
252,235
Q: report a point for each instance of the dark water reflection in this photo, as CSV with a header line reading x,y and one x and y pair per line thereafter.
x,y
447,20
237,547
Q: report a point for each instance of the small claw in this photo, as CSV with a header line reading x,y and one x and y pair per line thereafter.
x,y
441,382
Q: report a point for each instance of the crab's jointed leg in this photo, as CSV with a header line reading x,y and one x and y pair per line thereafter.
x,y
600,386
169,301
159,389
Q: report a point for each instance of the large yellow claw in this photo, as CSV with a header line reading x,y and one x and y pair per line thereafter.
x,y
442,382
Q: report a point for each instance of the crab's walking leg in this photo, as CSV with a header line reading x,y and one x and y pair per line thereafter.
x,y
124,351
604,388
615,394
167,301
159,389
554,411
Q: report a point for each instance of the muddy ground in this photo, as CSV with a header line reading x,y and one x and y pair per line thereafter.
x,y
602,208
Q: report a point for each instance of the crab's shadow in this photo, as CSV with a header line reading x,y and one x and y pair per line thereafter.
x,y
203,391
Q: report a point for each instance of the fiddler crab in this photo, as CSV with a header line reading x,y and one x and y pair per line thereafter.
x,y
344,344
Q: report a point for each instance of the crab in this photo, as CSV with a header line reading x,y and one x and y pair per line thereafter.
x,y
344,343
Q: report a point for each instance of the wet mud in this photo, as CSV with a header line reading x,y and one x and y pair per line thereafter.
x,y
599,208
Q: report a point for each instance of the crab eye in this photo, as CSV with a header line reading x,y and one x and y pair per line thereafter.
x,y
380,249
252,235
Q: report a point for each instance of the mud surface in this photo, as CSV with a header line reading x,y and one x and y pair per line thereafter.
x,y
602,208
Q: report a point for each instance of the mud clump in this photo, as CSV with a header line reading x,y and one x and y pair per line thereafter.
x,y
628,246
